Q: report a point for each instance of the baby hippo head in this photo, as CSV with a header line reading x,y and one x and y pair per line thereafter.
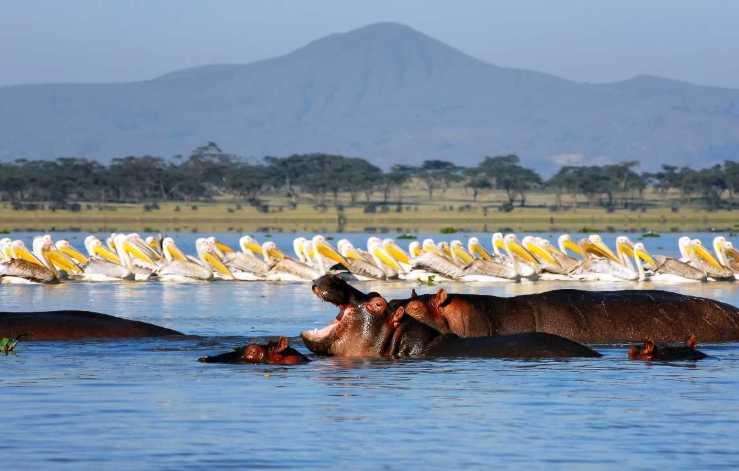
x,y
276,352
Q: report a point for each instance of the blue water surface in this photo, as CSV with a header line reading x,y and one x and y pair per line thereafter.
x,y
147,404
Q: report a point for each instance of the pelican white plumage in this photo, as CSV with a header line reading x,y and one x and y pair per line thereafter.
x,y
286,269
95,267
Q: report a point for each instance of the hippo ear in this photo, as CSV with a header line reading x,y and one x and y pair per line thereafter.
x,y
648,347
396,316
691,342
441,296
282,344
414,295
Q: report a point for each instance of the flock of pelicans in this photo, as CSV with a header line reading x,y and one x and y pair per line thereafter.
x,y
129,257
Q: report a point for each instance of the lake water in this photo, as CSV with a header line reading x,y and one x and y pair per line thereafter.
x,y
147,404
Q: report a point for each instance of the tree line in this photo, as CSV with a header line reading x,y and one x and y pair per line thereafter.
x,y
209,173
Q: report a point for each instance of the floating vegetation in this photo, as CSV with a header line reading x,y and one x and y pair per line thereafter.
x,y
650,234
8,346
406,236
449,230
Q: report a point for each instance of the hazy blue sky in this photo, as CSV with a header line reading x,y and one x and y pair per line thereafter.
x,y
586,40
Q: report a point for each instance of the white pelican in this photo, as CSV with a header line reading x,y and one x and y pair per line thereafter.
x,y
141,266
23,267
361,267
286,269
477,250
180,268
565,261
95,268
601,268
402,257
732,256
706,261
662,268
482,270
432,262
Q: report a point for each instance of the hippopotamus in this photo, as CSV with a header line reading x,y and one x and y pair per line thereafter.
x,y
68,325
650,351
276,352
366,326
585,316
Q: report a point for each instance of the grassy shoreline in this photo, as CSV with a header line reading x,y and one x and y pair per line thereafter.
x,y
225,217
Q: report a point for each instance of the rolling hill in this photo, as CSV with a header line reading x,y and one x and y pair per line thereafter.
x,y
384,92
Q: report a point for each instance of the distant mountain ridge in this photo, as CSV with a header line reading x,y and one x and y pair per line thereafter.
x,y
384,92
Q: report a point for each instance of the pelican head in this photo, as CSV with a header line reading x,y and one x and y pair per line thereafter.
x,y
565,243
459,255
476,249
516,247
270,252
66,248
5,248
498,243
220,246
321,246
430,246
531,244
392,248
415,249
298,244
624,245
208,254
640,253
172,252
597,241
697,247
249,243
381,256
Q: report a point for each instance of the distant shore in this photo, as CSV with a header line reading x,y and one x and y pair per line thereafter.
x,y
411,216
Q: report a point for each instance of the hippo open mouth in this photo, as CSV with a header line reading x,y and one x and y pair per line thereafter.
x,y
339,293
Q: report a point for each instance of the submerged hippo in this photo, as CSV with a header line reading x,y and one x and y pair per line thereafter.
x,y
587,316
68,325
276,352
650,351
366,326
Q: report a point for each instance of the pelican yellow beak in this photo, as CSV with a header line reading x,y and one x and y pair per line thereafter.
x,y
353,254
175,253
571,245
447,252
732,253
433,249
646,257
628,249
386,259
133,249
106,254
276,254
224,248
539,251
217,263
706,255
24,254
608,253
328,251
73,253
521,251
62,262
417,251
463,255
480,250
398,254
256,248
500,243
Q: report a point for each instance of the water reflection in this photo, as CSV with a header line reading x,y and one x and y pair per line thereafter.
x,y
97,404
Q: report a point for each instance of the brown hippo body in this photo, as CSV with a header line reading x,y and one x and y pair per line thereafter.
x,y
69,325
366,326
589,316
276,352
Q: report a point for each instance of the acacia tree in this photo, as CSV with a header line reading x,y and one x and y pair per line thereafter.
x,y
506,173
438,174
